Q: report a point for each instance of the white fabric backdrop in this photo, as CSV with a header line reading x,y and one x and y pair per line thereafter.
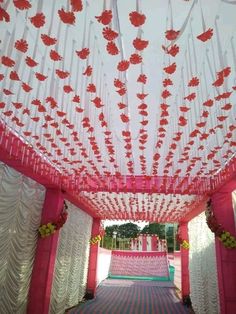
x,y
21,201
202,267
70,275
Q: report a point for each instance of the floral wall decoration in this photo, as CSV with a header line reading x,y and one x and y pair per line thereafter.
x,y
226,238
95,240
45,230
183,243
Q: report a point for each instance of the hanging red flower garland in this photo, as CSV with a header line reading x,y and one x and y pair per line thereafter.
x,y
227,239
50,228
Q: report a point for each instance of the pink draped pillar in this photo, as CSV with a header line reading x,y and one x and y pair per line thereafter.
x,y
185,287
225,258
144,242
92,270
154,242
44,262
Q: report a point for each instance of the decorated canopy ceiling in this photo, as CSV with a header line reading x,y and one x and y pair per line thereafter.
x,y
126,105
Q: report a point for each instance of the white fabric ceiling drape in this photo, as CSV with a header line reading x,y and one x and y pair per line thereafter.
x,y
202,267
70,274
21,201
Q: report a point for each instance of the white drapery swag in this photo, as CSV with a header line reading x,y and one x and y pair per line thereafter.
x,y
202,267
21,201
70,274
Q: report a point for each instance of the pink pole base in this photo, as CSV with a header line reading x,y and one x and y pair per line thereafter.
x,y
43,269
93,256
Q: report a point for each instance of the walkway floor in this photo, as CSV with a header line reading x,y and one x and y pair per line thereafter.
x,y
133,297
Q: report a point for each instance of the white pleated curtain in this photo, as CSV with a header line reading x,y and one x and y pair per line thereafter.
x,y
202,267
21,201
70,274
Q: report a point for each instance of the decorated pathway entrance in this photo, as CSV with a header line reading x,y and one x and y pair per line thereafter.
x,y
131,296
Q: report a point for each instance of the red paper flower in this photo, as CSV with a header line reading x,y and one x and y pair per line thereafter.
x,y
62,74
124,118
79,109
142,106
109,34
144,122
164,122
223,96
112,48
123,65
88,71
38,20
8,62
170,69
52,101
182,121
208,103
14,76
54,55
118,83
226,107
105,18
184,109
173,50
193,82
121,105
172,34
77,5
137,19
121,91
140,44
225,72
97,102
22,4
21,45
141,96
4,15
40,76
206,35
1,77
66,17
26,87
2,105
135,58
219,82
190,97
8,113
47,40
222,118
30,62
76,99
67,89
167,82
165,94
83,54
91,88
142,79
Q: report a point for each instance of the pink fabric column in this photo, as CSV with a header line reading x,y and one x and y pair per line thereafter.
x,y
43,269
144,242
185,287
154,242
93,257
226,258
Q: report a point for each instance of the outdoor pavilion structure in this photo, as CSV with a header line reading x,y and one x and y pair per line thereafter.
x,y
127,110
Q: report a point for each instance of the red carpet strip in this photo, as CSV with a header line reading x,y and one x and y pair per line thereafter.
x,y
133,297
